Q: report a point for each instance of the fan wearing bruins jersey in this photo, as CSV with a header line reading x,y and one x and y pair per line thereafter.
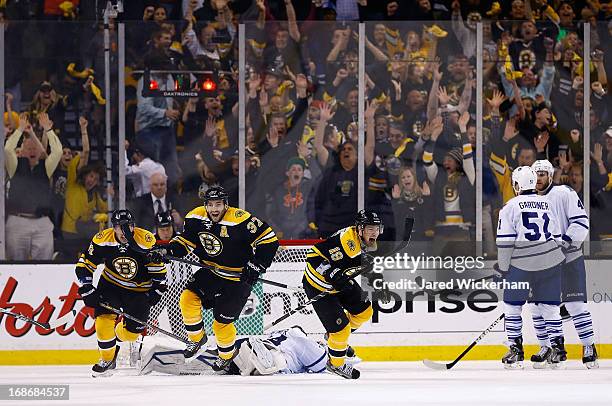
x,y
330,266
130,280
235,248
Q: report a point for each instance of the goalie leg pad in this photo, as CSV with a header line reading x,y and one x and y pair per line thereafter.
x,y
171,361
105,332
191,309
257,357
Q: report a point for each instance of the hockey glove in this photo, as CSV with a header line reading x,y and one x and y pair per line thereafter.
x,y
381,291
338,279
155,294
159,255
89,294
251,272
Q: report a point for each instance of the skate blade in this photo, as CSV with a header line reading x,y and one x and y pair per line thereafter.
x,y
516,365
558,365
592,365
540,365
105,374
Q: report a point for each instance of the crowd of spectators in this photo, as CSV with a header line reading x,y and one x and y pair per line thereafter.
x,y
302,109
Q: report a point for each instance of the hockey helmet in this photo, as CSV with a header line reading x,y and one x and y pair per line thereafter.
x,y
368,218
121,217
216,193
524,179
163,219
543,165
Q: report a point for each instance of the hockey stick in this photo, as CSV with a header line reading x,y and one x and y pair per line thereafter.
x,y
47,326
212,268
134,245
408,225
143,323
442,367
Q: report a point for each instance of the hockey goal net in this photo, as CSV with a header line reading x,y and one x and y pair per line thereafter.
x,y
266,303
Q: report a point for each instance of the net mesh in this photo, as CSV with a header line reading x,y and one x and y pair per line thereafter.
x,y
266,303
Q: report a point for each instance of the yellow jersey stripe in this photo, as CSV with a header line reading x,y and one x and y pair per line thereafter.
x,y
319,253
85,267
268,241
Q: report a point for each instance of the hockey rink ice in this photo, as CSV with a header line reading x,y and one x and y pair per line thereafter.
x,y
382,383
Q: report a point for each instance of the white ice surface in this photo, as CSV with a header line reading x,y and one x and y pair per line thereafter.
x,y
381,383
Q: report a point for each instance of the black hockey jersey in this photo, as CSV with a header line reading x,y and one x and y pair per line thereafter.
x,y
228,245
123,266
341,250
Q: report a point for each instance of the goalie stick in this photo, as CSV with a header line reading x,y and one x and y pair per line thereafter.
x,y
442,367
134,245
47,326
143,323
408,225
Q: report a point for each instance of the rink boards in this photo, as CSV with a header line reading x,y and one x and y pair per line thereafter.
x,y
402,331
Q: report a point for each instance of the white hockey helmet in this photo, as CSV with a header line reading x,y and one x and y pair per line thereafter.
x,y
543,165
523,178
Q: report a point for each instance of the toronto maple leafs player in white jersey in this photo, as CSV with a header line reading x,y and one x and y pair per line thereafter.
x,y
527,251
574,225
288,351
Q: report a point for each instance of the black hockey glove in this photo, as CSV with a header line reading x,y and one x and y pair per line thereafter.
x,y
159,255
251,272
90,295
155,294
381,292
337,278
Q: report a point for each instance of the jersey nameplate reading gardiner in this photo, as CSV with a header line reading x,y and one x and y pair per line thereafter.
x,y
126,267
211,244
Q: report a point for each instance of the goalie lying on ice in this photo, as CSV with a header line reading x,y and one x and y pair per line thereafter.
x,y
284,352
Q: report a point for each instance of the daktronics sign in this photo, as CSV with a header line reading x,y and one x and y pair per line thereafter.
x,y
44,313
43,293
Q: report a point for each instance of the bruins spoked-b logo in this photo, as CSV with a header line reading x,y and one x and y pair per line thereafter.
x,y
126,267
211,244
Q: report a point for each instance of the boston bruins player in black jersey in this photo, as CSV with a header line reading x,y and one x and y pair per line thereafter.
x,y
236,248
330,266
130,280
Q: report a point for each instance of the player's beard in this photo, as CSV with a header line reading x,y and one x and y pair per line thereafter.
x,y
218,217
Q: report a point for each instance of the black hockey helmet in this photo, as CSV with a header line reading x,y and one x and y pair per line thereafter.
x,y
216,193
121,217
163,219
368,218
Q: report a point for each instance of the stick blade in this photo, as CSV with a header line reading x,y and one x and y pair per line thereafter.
x,y
435,365
65,319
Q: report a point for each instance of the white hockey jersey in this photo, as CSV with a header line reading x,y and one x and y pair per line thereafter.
x,y
526,234
303,354
571,216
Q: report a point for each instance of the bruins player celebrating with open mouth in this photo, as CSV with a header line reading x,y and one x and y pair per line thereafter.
x,y
235,248
330,267
130,280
